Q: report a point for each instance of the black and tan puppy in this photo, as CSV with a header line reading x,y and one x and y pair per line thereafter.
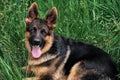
x,y
53,57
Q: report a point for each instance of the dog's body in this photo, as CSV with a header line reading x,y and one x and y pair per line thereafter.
x,y
53,57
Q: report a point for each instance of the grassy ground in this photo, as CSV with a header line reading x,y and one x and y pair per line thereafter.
x,y
93,21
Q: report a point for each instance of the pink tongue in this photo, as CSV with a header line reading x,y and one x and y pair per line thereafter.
x,y
36,52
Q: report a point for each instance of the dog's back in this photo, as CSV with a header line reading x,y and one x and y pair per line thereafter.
x,y
87,61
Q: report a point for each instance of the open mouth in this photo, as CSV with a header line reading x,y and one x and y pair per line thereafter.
x,y
36,51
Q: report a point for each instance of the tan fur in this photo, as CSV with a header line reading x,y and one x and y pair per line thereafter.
x,y
59,72
32,78
27,44
39,71
49,41
28,20
45,70
32,61
76,72
27,35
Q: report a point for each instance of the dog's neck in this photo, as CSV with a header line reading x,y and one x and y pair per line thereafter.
x,y
44,58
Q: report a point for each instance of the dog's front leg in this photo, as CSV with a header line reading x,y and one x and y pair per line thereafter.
x,y
32,78
27,69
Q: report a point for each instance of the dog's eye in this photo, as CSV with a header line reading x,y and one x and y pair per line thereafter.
x,y
43,32
33,29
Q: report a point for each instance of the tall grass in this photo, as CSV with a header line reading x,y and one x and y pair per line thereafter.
x,y
93,21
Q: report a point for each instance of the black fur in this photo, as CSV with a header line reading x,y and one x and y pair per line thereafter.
x,y
91,56
96,62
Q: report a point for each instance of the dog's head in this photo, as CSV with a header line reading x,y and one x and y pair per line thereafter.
x,y
39,32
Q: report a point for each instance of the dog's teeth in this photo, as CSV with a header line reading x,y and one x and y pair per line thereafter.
x,y
37,46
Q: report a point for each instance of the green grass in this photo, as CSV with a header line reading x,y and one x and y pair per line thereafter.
x,y
93,21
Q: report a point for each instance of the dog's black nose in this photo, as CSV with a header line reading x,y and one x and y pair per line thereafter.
x,y
36,41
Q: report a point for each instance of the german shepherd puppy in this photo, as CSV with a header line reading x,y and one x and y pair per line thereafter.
x,y
53,57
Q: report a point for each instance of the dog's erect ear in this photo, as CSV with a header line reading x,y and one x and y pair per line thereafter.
x,y
51,18
32,13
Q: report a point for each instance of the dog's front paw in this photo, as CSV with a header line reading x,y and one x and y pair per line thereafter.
x,y
32,78
26,69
